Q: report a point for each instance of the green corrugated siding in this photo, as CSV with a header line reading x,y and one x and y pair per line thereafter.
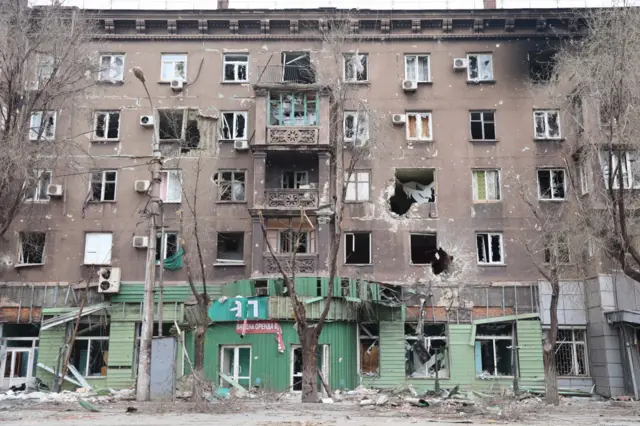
x,y
530,353
342,310
238,288
392,358
51,340
274,368
134,293
131,312
121,346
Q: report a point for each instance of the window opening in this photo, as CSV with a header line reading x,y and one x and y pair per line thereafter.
x,y
111,67
571,353
191,133
230,247
356,67
31,248
297,68
234,126
426,352
557,244
235,68
551,184
90,351
235,362
356,127
419,126
480,67
231,185
171,124
103,185
293,179
547,124
423,248
291,241
494,349
412,186
542,65
416,68
36,186
358,186
107,125
42,125
293,109
169,246
174,67
483,125
489,248
171,186
261,287
357,248
369,349
486,185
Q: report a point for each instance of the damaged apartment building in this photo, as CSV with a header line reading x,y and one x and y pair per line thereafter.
x,y
241,114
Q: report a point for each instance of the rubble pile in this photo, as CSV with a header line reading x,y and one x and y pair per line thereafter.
x,y
101,396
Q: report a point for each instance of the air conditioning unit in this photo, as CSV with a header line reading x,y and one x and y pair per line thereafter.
x,y
398,118
241,145
146,120
409,85
177,85
460,64
140,242
109,280
262,291
141,185
54,190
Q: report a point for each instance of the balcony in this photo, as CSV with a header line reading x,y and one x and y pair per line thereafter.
x,y
285,75
292,135
305,263
291,198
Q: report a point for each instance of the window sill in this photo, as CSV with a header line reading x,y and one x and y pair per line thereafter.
x,y
229,264
548,139
484,202
544,200
95,377
27,265
483,265
97,264
184,82
101,202
358,264
485,140
574,377
235,82
356,201
422,265
105,140
111,82
366,82
474,82
426,378
172,202
479,377
420,140
231,202
37,201
231,140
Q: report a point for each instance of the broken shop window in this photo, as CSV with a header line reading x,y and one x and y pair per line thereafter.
x,y
369,336
547,124
31,248
231,185
412,186
571,353
233,126
357,248
423,248
296,68
230,247
107,126
480,67
558,245
293,109
489,248
426,352
542,65
494,350
483,125
486,185
551,184
235,362
90,351
235,68
356,67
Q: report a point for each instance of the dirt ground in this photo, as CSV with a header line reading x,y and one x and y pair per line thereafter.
x,y
260,413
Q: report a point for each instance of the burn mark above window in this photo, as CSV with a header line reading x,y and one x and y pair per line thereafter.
x,y
412,186
542,65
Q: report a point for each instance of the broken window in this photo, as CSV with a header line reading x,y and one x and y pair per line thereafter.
x,y
174,66
423,248
106,126
111,67
419,126
290,241
103,185
171,125
494,349
489,248
322,354
558,245
547,124
628,160
486,185
541,65
357,248
577,108
168,247
231,185
235,68
36,186
584,175
571,353
293,179
551,184
426,352
191,132
416,68
235,362
90,351
412,186
356,67
480,67
45,67
171,186
358,186
483,125
296,68
369,349
356,127
233,126
230,247
293,109
31,248
42,125
261,287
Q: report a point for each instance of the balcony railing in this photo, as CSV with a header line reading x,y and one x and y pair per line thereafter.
x,y
283,75
292,135
291,198
305,263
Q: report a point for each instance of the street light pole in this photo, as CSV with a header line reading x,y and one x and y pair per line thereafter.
x,y
146,335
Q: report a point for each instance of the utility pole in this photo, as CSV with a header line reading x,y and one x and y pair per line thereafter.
x,y
143,382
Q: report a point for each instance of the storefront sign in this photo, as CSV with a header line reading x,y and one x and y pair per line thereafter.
x,y
239,308
262,327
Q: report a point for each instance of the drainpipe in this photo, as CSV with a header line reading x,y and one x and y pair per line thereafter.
x,y
633,372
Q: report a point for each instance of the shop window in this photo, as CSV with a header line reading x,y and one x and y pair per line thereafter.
x,y
494,350
369,350
90,351
571,353
235,362
426,355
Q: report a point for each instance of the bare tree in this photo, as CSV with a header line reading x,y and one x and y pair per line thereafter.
x,y
47,62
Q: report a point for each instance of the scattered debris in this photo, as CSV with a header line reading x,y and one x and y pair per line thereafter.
x,y
131,410
89,407
327,400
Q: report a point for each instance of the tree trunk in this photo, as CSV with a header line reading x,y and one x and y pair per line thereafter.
x,y
309,343
200,331
550,375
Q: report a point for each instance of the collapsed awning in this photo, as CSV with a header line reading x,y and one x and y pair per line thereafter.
x,y
493,320
623,316
71,315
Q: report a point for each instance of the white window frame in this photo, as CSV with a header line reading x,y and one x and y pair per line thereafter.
x,y
493,340
478,57
360,130
112,58
427,344
629,168
236,64
233,125
233,180
354,241
487,180
310,241
347,57
45,67
96,252
551,172
354,181
584,175
419,116
21,260
165,240
167,177
236,357
574,351
39,181
35,130
547,129
103,184
416,71
299,178
487,249
173,59
107,119
482,122
88,339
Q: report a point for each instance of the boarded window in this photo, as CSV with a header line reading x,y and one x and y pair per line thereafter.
x,y
97,248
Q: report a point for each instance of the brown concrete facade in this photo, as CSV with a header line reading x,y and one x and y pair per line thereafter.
x,y
143,37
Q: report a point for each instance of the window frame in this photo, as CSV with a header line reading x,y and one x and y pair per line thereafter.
x,y
357,118
233,179
165,244
236,65
174,62
21,241
488,254
107,114
38,183
89,339
427,344
299,176
234,123
493,339
353,233
417,57
478,55
310,240
220,261
584,177
574,352
474,185
347,57
165,178
354,180
483,122
236,355
111,61
628,168
419,115
291,121
553,244
551,172
42,137
110,252
103,183
545,114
